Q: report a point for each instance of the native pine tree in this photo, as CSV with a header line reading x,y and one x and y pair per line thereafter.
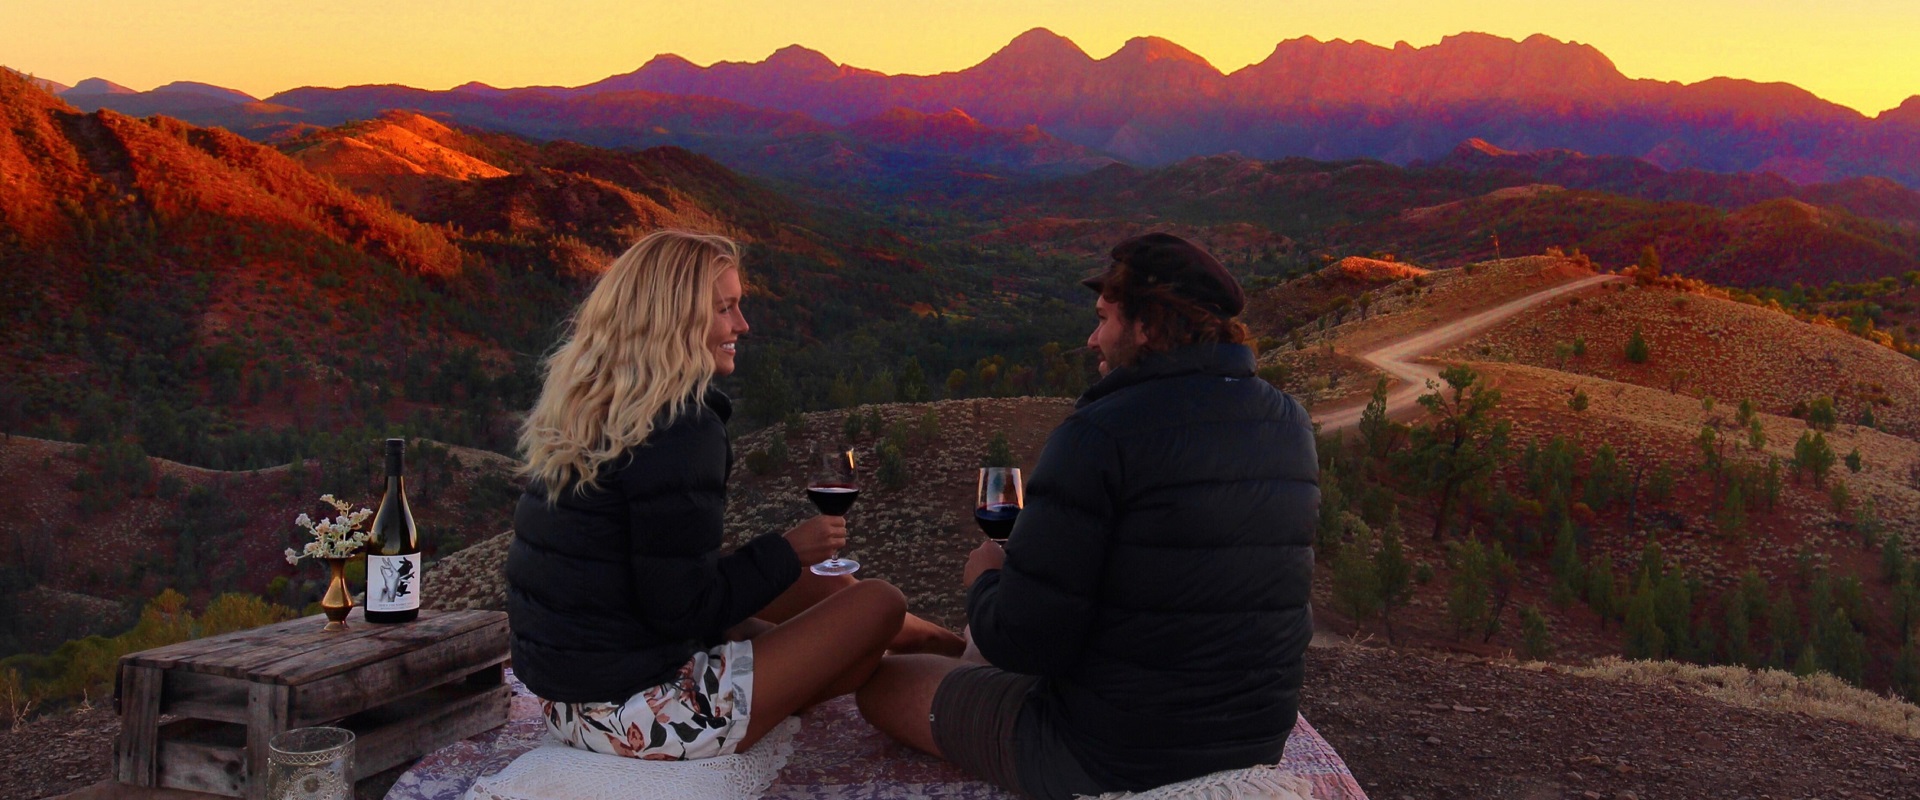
x,y
1812,455
1392,575
1356,586
1467,596
1460,444
1638,351
1536,637
1377,433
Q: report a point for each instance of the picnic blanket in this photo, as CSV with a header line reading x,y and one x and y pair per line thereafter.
x,y
837,756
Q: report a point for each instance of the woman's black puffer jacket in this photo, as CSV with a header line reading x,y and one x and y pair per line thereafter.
x,y
610,592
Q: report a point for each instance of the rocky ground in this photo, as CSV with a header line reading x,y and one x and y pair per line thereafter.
x,y
1412,725
1425,721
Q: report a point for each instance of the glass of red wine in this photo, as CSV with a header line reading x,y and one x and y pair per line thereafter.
x,y
1000,499
833,488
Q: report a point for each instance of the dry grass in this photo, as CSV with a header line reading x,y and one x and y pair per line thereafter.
x,y
1327,371
1818,695
1709,346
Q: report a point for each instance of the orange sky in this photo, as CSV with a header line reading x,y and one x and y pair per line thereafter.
x,y
1860,53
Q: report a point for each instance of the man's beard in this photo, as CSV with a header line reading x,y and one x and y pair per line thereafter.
x,y
1123,354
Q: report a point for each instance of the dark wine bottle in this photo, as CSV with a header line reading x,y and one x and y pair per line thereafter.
x,y
393,550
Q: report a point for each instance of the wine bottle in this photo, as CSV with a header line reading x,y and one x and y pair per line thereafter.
x,y
393,549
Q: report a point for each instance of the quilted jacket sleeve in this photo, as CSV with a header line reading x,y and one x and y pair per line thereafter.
x,y
1033,616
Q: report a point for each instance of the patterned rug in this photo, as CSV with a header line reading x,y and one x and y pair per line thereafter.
x,y
837,756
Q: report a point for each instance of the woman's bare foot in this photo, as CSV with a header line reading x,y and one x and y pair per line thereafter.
x,y
921,636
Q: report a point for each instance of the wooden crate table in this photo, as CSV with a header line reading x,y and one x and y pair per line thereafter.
x,y
404,690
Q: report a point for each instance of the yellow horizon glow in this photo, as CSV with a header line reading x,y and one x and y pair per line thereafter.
x,y
1861,56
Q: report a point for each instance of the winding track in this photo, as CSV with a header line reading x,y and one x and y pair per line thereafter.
x,y
1400,359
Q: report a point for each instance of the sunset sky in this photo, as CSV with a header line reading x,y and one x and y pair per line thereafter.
x,y
1860,53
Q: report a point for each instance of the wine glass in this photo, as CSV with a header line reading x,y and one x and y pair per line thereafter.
x,y
999,502
833,488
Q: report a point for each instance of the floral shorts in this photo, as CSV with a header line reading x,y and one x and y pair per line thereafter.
x,y
701,713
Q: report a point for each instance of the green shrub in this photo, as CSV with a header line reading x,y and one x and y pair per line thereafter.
x,y
1638,351
235,611
1356,587
760,462
1536,637
892,473
1821,415
999,452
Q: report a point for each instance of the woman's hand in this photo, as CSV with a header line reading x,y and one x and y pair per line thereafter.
x,y
818,539
988,556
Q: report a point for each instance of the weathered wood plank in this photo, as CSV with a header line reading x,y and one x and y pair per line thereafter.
x,y
266,716
438,680
394,678
385,642
204,696
134,749
213,645
427,722
204,757
267,647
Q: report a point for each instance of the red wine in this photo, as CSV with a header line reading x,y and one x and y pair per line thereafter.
x,y
996,521
393,551
833,499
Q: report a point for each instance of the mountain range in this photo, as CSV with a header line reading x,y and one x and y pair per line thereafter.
x,y
1152,102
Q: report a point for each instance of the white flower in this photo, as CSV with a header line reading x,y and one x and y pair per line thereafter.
x,y
337,537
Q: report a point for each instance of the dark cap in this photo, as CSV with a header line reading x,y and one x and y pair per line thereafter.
x,y
1168,260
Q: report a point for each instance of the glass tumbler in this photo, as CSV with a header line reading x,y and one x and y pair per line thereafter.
x,y
310,764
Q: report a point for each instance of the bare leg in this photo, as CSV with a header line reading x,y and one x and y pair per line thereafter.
x,y
898,699
829,648
916,635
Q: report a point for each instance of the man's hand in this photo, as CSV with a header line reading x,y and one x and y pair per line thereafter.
x,y
817,539
988,556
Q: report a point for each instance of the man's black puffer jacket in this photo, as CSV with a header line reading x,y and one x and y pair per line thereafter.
x,y
611,592
1158,578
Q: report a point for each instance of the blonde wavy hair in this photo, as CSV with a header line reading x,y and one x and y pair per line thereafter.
x,y
635,357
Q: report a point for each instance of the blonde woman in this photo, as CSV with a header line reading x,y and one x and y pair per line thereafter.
x,y
636,633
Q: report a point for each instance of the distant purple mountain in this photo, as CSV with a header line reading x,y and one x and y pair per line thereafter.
x,y
1155,102
93,86
1870,197
202,103
206,90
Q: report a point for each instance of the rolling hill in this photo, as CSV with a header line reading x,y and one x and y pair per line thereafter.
x,y
1444,215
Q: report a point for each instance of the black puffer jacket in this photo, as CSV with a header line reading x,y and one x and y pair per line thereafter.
x,y
610,593
1159,576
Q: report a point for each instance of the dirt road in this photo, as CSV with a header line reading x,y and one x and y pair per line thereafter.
x,y
1401,359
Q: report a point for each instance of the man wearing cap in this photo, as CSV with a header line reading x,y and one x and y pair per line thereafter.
x,y
1147,620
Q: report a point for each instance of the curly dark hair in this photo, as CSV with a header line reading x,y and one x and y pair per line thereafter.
x,y
1170,319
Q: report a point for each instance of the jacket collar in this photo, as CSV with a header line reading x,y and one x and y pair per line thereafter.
x,y
721,404
1226,360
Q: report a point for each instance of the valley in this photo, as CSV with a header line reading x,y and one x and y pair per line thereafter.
x,y
1636,401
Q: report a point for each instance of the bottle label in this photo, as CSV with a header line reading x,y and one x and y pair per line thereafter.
x,y
393,582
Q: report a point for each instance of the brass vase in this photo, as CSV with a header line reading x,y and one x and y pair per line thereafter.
x,y
337,601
